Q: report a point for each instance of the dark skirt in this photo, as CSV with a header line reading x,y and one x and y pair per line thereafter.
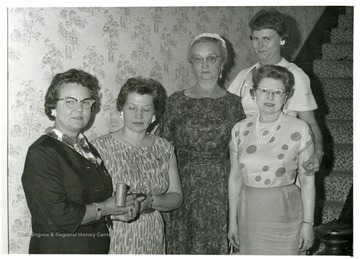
x,y
90,239
199,227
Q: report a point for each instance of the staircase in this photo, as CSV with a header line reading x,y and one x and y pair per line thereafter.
x,y
332,84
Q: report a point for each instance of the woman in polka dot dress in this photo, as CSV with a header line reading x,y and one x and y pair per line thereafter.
x,y
268,213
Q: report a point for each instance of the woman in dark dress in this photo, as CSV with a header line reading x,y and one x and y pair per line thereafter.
x,y
198,122
67,187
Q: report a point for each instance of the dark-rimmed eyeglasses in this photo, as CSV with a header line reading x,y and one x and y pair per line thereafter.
x,y
276,92
209,59
72,102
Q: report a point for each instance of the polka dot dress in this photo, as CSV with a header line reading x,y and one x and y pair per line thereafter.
x,y
270,209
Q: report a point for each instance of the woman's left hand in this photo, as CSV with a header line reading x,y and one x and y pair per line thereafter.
x,y
306,237
312,165
146,202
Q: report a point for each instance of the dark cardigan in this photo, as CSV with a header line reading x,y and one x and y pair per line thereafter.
x,y
58,182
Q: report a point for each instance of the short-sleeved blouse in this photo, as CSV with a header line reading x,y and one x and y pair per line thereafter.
x,y
301,100
277,162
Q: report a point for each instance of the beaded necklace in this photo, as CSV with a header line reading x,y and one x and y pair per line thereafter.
x,y
266,138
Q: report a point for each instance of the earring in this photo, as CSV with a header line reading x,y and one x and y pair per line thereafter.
x,y
252,94
153,118
282,42
121,115
220,76
53,113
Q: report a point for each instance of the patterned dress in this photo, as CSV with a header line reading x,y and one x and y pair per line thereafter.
x,y
144,169
270,211
200,131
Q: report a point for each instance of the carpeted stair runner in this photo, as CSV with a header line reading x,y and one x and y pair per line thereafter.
x,y
335,71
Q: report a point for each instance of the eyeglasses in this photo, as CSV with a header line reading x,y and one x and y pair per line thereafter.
x,y
276,92
72,102
209,59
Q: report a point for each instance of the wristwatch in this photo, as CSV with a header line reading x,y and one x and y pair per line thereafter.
x,y
98,210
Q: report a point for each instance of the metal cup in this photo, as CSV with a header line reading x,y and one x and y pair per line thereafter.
x,y
120,195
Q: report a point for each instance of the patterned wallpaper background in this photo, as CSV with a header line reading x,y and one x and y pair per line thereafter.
x,y
112,44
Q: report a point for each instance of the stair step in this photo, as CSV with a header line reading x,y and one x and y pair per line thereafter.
x,y
337,87
346,21
333,68
341,131
326,211
333,85
338,109
333,185
339,35
339,157
337,51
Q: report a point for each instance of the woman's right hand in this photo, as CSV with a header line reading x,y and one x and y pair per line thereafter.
x,y
233,235
132,214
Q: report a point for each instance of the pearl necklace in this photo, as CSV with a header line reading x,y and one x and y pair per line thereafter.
x,y
266,138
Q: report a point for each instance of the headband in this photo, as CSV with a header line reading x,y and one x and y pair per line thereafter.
x,y
210,35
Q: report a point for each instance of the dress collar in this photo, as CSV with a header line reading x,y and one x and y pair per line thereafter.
x,y
81,145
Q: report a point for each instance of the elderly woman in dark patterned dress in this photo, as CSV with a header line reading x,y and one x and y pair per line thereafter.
x,y
198,122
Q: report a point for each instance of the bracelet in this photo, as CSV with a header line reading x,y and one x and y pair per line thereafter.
x,y
98,210
310,223
151,202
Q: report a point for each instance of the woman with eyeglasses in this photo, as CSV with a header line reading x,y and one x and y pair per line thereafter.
x,y
268,213
268,36
67,187
198,122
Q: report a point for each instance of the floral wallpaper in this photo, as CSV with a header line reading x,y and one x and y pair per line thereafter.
x,y
113,44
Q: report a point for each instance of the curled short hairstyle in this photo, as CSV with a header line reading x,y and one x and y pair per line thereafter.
x,y
223,49
277,73
269,19
142,85
71,76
